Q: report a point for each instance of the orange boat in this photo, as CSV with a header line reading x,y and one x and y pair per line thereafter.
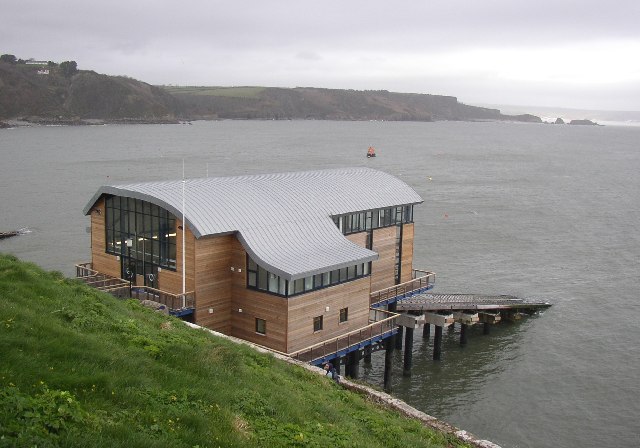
x,y
371,152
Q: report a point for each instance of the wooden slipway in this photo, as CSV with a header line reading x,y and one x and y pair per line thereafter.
x,y
436,302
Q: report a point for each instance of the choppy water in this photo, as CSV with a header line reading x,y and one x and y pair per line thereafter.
x,y
538,211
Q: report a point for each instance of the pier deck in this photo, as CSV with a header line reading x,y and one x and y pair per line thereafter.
x,y
453,302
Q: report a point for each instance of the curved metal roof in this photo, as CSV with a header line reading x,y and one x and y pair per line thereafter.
x,y
283,219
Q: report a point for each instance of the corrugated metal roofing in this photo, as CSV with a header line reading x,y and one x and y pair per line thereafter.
x,y
283,219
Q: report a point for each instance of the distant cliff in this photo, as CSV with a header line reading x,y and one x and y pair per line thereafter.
x,y
270,103
59,93
46,94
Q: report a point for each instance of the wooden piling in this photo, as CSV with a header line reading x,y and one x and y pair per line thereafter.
x,y
463,334
437,344
336,364
353,364
388,362
426,331
399,337
408,352
367,354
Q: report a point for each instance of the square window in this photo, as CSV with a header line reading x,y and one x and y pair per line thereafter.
x,y
344,315
273,282
308,283
261,326
317,323
298,286
253,279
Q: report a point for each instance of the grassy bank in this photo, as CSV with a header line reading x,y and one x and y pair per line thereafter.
x,y
79,368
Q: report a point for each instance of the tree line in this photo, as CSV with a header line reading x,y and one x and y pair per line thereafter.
x,y
67,68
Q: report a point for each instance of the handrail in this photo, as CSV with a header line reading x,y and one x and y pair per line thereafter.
x,y
425,281
85,270
343,342
91,277
173,301
415,271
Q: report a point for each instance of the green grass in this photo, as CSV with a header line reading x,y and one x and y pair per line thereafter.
x,y
232,92
79,368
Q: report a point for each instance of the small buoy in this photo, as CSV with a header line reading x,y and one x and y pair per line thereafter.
x,y
446,215
429,179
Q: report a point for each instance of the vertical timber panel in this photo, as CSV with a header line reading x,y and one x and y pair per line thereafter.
x,y
171,281
407,252
213,282
255,304
101,260
382,270
303,308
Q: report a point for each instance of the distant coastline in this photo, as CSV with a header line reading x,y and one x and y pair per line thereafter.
x,y
550,114
55,95
59,94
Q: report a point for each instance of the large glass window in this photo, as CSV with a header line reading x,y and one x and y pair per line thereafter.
x,y
140,231
373,219
263,280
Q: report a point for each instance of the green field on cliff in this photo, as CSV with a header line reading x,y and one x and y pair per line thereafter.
x,y
232,92
79,368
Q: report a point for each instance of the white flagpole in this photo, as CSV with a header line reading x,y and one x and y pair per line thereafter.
x,y
184,231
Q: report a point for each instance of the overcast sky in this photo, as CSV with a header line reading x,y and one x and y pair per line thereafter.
x,y
561,53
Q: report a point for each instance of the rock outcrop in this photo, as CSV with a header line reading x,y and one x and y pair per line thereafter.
x,y
583,122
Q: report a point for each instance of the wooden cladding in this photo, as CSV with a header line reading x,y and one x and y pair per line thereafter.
x,y
171,281
254,304
407,252
358,238
327,303
382,270
216,271
102,262
212,267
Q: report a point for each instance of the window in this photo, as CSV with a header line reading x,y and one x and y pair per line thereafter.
x,y
261,326
252,273
308,283
261,279
298,286
317,323
373,219
151,229
273,283
344,315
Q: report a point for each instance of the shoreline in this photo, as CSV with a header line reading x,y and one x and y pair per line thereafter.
x,y
35,122
376,396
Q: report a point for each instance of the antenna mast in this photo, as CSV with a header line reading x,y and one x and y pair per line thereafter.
x,y
184,231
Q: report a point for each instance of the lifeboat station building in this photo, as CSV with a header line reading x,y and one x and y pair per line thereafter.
x,y
298,262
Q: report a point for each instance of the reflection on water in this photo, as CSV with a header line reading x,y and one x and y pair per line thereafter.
x,y
461,373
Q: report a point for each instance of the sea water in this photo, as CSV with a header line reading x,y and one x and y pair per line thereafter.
x,y
544,212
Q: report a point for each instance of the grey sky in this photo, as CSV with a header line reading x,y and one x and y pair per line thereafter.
x,y
581,54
